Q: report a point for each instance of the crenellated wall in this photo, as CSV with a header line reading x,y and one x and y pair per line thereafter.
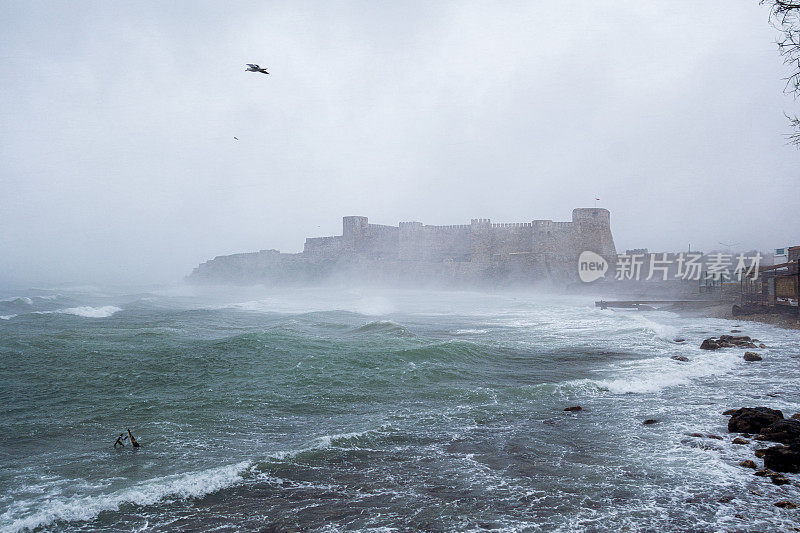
x,y
523,250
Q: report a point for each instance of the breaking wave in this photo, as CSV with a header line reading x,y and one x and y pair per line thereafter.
x,y
190,485
104,311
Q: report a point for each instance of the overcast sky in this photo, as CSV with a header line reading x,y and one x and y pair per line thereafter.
x,y
118,161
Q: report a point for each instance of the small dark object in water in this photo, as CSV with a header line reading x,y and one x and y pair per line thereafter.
x,y
717,437
680,339
786,504
779,479
760,452
696,435
736,331
752,419
747,463
729,412
751,356
763,472
681,358
650,421
740,440
574,408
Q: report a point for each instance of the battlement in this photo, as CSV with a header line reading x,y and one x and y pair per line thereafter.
x,y
535,248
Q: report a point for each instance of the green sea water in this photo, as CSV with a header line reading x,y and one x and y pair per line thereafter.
x,y
380,410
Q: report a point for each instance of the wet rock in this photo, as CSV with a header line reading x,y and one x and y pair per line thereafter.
x,y
786,504
778,479
682,358
650,421
729,412
716,437
763,472
679,339
725,499
747,463
740,440
751,356
695,434
795,416
760,452
784,431
736,331
762,345
574,408
710,344
752,419
782,459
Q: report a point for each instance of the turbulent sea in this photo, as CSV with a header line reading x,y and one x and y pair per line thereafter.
x,y
332,410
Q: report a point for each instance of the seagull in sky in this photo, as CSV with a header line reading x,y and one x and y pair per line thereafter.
x,y
255,68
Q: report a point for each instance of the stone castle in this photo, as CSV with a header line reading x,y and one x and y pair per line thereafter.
x,y
413,253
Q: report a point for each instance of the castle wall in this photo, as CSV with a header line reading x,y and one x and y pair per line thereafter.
x,y
481,250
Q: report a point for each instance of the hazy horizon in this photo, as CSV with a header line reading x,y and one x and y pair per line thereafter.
x,y
119,164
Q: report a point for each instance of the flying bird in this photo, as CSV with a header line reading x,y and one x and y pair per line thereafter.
x,y
237,138
255,68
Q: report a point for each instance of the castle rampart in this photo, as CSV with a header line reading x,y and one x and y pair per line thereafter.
x,y
540,248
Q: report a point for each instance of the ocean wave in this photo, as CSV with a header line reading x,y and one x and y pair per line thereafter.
x,y
7,317
382,326
189,485
104,311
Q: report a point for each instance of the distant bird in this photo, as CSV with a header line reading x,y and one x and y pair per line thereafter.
x,y
255,68
237,138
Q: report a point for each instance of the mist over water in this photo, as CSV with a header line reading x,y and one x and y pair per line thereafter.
x,y
335,409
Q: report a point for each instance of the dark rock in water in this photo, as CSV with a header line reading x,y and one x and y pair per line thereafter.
x,y
696,435
679,339
752,419
716,437
760,452
763,472
726,344
782,459
681,358
736,331
725,499
795,416
735,338
710,344
747,463
783,431
740,440
762,345
779,479
650,421
751,356
574,408
786,504
729,412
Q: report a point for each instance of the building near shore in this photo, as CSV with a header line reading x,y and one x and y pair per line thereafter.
x,y
413,253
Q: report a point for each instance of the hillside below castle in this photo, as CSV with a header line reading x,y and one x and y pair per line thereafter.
x,y
413,253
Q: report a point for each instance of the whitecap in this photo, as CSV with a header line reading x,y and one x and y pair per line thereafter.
x,y
189,485
90,312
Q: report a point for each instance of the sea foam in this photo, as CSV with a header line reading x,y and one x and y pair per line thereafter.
x,y
90,312
189,485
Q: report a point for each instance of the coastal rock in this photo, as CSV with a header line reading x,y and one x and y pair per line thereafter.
x,y
795,416
729,412
784,431
748,464
736,331
681,358
751,356
715,437
710,344
778,479
786,504
574,408
782,459
679,339
650,421
763,472
740,440
762,345
760,452
752,419
695,434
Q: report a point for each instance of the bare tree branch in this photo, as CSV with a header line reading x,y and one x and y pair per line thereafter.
x,y
785,17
